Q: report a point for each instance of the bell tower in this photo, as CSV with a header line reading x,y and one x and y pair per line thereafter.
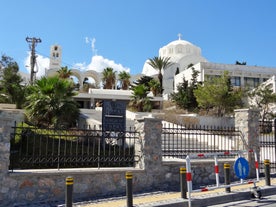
x,y
55,57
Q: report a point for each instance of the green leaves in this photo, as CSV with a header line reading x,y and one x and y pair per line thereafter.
x,y
217,93
184,97
11,89
139,98
160,63
124,77
50,102
261,98
109,78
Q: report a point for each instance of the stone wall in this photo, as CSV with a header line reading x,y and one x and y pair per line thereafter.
x,y
150,174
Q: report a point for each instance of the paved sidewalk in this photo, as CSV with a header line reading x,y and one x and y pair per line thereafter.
x,y
173,199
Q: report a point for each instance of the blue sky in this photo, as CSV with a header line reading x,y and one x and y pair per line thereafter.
x,y
123,34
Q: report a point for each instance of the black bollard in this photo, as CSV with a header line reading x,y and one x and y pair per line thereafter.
x,y
267,172
69,192
183,182
129,189
227,177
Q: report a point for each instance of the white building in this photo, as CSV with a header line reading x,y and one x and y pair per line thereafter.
x,y
183,53
241,75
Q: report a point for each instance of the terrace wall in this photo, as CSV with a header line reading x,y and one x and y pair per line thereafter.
x,y
150,174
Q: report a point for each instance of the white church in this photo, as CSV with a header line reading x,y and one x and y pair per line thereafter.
x,y
183,54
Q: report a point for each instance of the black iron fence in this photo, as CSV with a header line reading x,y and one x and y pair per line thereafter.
x,y
178,141
268,144
33,147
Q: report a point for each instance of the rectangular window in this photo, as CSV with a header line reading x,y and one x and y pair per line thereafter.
x,y
236,81
251,82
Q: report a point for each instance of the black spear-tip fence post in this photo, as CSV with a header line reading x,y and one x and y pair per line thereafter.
x,y
183,182
129,189
227,177
69,192
267,172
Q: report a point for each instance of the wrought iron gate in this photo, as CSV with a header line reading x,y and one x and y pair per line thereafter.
x,y
268,144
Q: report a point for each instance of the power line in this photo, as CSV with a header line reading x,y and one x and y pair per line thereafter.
x,y
33,42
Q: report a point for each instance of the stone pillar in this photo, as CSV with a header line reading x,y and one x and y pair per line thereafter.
x,y
7,121
150,147
247,121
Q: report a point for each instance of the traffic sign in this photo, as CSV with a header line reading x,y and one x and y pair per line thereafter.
x,y
241,168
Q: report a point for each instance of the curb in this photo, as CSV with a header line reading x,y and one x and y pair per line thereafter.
x,y
211,199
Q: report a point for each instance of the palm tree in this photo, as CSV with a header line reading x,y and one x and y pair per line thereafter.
x,y
139,98
124,77
50,102
109,78
154,86
64,72
160,64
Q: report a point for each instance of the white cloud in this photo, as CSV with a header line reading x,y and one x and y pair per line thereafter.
x,y
91,41
99,63
42,63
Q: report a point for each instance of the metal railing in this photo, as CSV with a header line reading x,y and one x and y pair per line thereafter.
x,y
33,148
267,140
178,141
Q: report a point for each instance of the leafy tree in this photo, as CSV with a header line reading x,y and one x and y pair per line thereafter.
x,y
109,78
50,102
218,94
139,99
11,89
262,98
184,97
160,64
240,63
124,77
64,72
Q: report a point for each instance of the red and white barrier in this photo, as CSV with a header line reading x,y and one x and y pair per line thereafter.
x,y
216,169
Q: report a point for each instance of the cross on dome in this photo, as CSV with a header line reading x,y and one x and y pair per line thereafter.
x,y
179,36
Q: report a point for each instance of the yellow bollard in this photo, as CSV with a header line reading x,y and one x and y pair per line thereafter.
x,y
183,182
267,172
129,189
69,192
227,177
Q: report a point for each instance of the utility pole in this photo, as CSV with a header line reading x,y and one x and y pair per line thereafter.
x,y
33,41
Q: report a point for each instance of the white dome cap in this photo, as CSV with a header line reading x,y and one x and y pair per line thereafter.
x,y
178,49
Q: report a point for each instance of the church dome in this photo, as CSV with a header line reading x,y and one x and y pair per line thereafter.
x,y
178,49
181,53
